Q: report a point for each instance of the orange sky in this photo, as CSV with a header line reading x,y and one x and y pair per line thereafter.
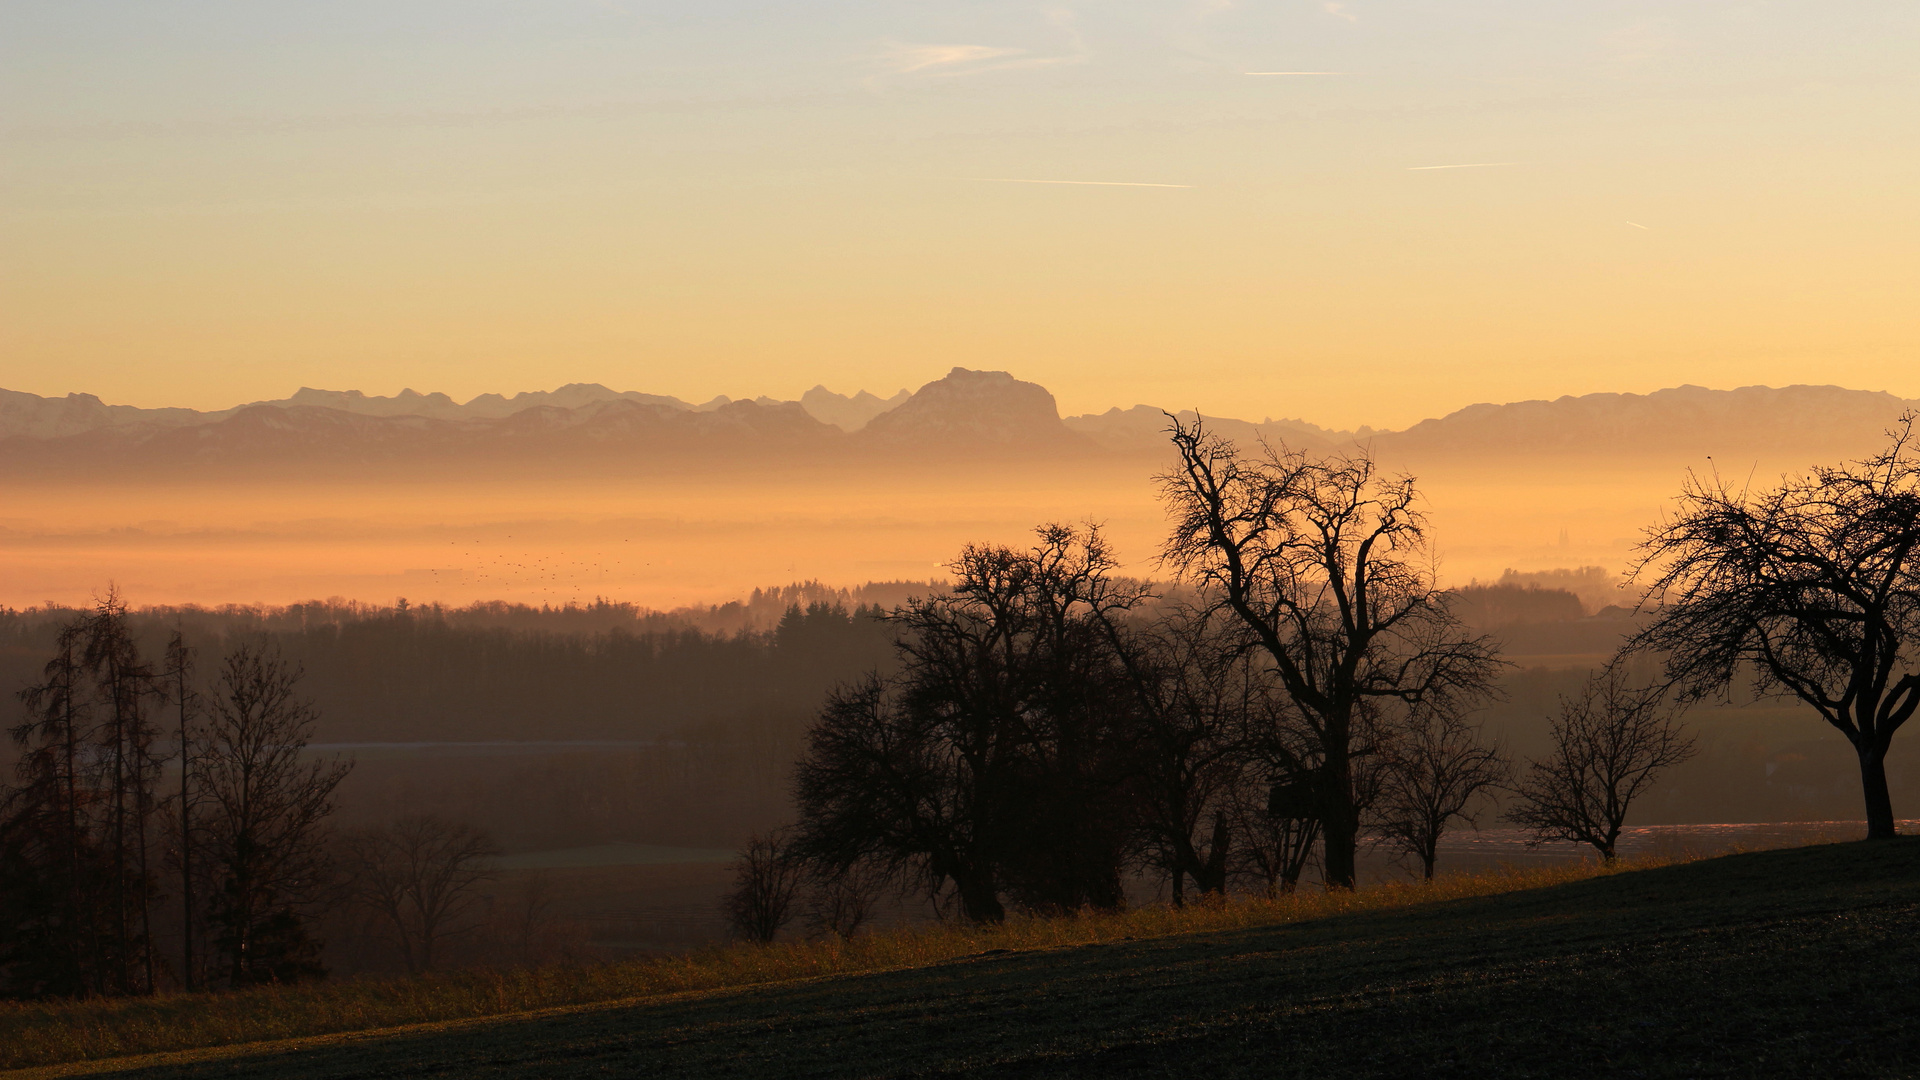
x,y
209,203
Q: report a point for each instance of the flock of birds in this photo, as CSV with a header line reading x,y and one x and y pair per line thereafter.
x,y
554,575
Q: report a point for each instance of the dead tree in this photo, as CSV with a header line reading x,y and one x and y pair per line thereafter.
x,y
1811,588
1323,561
421,876
1436,770
1609,745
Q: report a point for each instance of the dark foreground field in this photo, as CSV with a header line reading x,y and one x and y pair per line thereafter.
x,y
1802,962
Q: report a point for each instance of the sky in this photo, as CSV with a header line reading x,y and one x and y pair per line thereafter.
x,y
1472,200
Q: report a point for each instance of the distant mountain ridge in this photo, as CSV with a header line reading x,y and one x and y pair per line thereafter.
x,y
966,411
32,416
1683,419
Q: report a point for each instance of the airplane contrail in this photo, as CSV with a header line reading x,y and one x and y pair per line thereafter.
x,y
1637,225
1084,183
1474,165
1296,73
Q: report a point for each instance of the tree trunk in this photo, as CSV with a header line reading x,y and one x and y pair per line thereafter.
x,y
1340,824
1213,878
979,899
1873,784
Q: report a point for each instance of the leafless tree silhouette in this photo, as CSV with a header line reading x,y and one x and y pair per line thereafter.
x,y
265,807
1812,587
1199,705
1322,560
1437,769
997,764
766,880
421,875
1609,745
841,900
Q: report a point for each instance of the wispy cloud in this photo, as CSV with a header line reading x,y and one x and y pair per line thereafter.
x,y
905,58
938,61
1469,165
1338,10
1296,73
1078,183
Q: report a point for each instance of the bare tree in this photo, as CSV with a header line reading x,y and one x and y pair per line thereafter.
x,y
1609,745
265,808
526,917
1437,768
1196,696
767,879
1322,561
421,876
1812,587
998,763
841,900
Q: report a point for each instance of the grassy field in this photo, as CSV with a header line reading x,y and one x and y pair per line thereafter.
x,y
1785,963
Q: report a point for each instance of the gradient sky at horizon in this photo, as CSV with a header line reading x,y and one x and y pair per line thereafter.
x,y
212,202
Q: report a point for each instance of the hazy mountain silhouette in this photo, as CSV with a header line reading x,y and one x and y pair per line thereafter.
x,y
964,412
31,416
848,413
973,410
1817,422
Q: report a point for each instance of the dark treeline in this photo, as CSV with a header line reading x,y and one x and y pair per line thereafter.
x,y
501,672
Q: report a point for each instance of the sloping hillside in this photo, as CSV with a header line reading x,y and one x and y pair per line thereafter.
x,y
1786,963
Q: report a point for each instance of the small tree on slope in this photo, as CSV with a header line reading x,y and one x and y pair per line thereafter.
x,y
1609,744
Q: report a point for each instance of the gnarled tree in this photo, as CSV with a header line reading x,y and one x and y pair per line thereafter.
x,y
1810,589
1323,562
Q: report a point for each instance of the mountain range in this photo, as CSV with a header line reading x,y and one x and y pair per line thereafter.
x,y
964,413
